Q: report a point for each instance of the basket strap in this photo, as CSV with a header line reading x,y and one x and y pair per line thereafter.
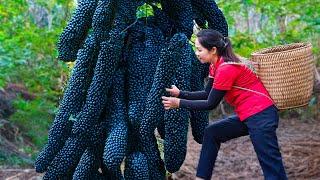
x,y
246,89
246,63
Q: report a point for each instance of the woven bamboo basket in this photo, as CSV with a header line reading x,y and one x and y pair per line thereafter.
x,y
287,72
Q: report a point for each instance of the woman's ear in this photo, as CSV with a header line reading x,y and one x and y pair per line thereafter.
x,y
213,51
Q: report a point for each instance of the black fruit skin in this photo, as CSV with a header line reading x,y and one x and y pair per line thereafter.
x,y
73,36
112,103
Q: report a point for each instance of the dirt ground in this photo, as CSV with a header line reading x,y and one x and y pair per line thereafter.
x,y
299,143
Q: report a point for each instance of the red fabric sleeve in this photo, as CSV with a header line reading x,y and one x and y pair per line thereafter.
x,y
225,77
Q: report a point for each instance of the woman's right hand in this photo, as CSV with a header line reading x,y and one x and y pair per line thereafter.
x,y
174,91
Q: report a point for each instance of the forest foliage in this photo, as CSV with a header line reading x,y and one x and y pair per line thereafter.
x,y
30,30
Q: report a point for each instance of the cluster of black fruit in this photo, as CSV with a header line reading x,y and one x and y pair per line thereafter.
x,y
112,104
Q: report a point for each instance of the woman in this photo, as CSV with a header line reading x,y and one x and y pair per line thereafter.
x,y
256,115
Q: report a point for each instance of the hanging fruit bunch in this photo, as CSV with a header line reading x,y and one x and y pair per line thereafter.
x,y
112,104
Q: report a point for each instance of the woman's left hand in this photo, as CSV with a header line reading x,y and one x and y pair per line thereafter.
x,y
170,102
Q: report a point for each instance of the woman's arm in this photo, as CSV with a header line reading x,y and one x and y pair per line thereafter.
x,y
197,95
214,98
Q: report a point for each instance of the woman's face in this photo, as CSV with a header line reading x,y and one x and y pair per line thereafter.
x,y
203,54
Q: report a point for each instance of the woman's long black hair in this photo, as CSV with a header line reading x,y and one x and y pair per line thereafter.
x,y
210,38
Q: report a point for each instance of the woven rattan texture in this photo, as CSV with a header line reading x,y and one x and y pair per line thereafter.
x,y
287,72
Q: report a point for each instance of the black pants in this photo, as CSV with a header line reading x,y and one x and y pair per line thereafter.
x,y
262,130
